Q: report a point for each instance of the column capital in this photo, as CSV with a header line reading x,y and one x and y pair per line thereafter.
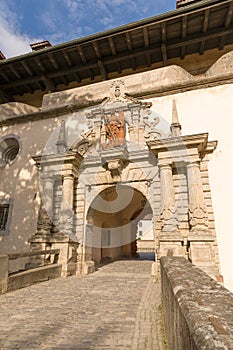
x,y
193,164
47,177
68,176
163,166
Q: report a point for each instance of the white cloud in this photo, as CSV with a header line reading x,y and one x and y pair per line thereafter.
x,y
86,17
12,43
24,22
98,14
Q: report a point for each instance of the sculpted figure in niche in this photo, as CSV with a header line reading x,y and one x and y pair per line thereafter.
x,y
115,130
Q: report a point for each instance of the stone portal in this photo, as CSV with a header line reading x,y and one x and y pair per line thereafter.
x,y
121,167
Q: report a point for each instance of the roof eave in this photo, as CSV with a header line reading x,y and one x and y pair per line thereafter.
x,y
101,35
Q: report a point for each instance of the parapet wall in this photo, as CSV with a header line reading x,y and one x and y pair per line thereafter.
x,y
198,311
25,278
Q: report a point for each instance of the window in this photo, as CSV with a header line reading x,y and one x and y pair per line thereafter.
x,y
5,216
4,212
9,149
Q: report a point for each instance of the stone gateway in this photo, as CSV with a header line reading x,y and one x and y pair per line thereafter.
x,y
89,150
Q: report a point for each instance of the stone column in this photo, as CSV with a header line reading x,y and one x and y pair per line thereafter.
x,y
64,239
197,208
168,202
68,190
47,194
66,215
45,215
170,239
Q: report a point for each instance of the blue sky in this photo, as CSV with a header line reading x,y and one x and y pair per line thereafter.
x,y
23,22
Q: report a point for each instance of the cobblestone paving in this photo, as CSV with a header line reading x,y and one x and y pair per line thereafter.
x,y
117,307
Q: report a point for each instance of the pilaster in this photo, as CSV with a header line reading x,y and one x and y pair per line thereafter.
x,y
198,216
170,239
199,243
67,214
61,237
168,202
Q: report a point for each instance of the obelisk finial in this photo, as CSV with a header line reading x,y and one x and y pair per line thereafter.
x,y
175,126
61,142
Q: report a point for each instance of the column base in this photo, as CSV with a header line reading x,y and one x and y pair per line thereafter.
x,y
171,245
201,253
85,268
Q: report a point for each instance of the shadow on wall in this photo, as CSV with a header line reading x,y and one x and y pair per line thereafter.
x,y
19,180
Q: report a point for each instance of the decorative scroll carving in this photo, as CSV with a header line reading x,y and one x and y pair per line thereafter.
x,y
153,132
66,220
107,124
82,146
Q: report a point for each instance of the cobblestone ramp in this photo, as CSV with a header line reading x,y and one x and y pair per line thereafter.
x,y
117,307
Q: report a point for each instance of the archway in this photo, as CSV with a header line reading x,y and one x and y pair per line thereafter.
x,y
112,222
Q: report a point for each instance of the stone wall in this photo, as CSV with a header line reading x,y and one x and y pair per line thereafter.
x,y
29,277
197,310
3,273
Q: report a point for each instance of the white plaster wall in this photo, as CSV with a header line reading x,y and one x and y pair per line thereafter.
x,y
147,229
211,110
19,181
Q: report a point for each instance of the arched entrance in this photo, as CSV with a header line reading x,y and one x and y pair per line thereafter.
x,y
112,222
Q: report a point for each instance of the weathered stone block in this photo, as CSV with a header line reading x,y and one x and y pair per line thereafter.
x,y
4,264
88,267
